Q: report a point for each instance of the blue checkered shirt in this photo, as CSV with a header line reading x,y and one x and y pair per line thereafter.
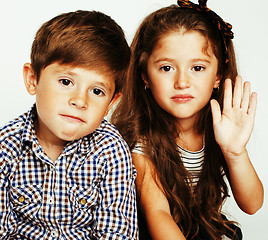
x,y
88,193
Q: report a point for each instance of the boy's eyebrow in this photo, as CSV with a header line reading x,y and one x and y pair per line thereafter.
x,y
71,73
62,70
105,85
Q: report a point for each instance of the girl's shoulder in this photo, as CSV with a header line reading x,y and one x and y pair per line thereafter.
x,y
138,148
141,160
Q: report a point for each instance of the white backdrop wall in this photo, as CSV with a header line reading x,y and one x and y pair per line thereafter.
x,y
19,20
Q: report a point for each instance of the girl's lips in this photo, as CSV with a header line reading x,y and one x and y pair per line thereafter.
x,y
72,118
182,98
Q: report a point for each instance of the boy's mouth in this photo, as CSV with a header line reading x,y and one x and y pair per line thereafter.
x,y
72,118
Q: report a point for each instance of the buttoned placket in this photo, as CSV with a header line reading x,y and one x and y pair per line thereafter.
x,y
50,182
57,188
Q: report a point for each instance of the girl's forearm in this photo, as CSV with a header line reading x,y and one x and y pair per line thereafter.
x,y
162,227
245,183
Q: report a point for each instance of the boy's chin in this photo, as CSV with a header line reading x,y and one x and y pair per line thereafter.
x,y
68,137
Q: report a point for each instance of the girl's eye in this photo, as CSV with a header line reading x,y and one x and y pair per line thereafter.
x,y
166,68
97,92
198,68
65,82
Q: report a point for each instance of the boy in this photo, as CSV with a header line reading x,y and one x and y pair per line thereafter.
x,y
65,173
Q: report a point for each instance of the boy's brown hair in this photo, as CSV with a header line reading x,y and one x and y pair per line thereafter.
x,y
87,39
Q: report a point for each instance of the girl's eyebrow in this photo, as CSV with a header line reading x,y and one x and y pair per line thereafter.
x,y
164,59
201,60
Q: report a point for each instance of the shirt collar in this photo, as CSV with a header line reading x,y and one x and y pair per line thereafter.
x,y
82,145
29,134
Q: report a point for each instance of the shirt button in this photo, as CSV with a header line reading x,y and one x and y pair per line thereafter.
x,y
54,234
50,200
21,199
83,201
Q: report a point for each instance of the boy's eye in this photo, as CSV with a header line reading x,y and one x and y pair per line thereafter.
x,y
65,82
198,68
166,68
97,92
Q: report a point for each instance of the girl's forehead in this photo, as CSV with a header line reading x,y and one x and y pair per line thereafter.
x,y
192,35
183,40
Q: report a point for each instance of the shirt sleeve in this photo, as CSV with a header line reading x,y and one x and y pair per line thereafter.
x,y
8,223
116,215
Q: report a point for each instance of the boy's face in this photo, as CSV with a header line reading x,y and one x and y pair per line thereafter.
x,y
71,101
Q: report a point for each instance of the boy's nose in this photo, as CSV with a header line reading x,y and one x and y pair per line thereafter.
x,y
79,101
181,80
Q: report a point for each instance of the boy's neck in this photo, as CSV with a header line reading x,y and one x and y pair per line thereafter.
x,y
51,146
52,150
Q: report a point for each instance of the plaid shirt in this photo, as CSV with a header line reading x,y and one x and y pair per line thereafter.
x,y
88,193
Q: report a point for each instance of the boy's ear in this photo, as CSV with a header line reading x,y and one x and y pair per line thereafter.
x,y
29,78
113,102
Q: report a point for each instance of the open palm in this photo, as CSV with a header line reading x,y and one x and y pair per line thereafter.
x,y
234,124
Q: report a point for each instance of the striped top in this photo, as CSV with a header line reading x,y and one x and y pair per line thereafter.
x,y
193,161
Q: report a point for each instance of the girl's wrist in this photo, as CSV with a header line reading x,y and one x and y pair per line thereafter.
x,y
235,157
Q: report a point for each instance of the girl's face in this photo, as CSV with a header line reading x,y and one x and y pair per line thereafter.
x,y
182,72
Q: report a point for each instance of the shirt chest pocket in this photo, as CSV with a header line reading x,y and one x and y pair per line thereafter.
x,y
26,200
83,198
84,202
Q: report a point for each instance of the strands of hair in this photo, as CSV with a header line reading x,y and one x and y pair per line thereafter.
x,y
140,120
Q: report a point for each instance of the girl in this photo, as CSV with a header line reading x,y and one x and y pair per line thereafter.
x,y
186,126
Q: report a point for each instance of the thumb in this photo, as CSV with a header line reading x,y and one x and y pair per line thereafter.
x,y
216,111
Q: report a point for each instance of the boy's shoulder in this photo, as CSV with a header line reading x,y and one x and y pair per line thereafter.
x,y
13,127
107,149
106,132
106,136
11,136
106,129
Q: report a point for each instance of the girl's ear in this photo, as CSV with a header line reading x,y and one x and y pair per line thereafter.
x,y
217,82
29,78
145,80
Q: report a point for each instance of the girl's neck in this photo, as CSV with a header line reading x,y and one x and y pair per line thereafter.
x,y
192,143
189,138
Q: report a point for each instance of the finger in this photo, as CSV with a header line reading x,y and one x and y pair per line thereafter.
x,y
216,111
252,105
246,96
227,100
237,92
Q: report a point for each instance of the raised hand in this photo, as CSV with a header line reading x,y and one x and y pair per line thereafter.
x,y
234,124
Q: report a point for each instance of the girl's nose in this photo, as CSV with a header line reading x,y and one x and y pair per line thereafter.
x,y
181,80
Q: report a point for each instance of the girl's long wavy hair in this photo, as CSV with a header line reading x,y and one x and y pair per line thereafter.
x,y
139,118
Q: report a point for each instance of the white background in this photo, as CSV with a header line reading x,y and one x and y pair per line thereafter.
x,y
20,19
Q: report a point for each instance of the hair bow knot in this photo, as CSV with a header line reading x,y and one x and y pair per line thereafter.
x,y
223,26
